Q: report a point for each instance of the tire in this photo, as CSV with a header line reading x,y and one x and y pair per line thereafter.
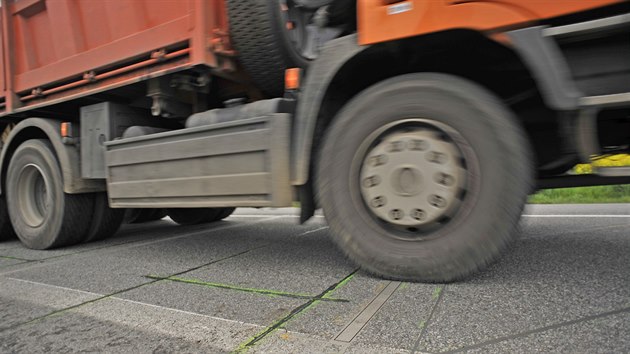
x,y
139,216
194,216
105,220
42,215
266,48
131,214
224,213
6,229
451,236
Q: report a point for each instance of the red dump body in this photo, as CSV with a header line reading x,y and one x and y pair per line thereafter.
x,y
56,50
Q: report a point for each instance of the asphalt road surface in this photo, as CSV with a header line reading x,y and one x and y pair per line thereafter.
x,y
258,282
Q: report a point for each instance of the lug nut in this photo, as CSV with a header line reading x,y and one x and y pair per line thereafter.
x,y
419,145
437,201
444,179
418,214
436,157
378,160
396,214
378,202
371,181
396,146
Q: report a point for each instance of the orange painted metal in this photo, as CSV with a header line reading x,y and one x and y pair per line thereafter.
x,y
292,78
385,20
53,49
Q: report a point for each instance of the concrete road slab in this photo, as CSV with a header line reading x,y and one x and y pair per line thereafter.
x,y
544,280
8,244
224,303
307,263
607,334
23,301
126,266
563,287
112,325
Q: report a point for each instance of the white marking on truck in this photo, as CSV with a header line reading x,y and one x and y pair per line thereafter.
x,y
399,8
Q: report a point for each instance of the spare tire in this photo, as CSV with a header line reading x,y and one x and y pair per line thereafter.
x,y
273,35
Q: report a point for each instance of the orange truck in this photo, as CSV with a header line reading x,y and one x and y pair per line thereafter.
x,y
419,127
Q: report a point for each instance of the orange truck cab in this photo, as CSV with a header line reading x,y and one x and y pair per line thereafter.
x,y
420,127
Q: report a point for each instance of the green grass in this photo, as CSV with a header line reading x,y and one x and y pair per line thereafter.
x,y
583,195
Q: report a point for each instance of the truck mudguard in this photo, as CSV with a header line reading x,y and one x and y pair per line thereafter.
x,y
320,74
67,155
543,58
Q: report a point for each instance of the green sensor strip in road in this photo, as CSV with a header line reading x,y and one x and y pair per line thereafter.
x,y
244,289
244,347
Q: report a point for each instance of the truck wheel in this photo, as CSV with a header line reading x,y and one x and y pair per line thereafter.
x,y
272,35
6,229
423,177
194,216
105,220
224,213
43,216
139,216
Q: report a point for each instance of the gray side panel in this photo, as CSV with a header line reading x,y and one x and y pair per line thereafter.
x,y
103,122
94,125
239,163
320,73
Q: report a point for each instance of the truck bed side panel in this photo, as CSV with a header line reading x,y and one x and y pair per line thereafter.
x,y
58,45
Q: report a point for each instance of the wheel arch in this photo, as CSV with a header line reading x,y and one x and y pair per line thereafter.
x,y
344,69
67,155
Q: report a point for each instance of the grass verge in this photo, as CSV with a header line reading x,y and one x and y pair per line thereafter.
x,y
583,195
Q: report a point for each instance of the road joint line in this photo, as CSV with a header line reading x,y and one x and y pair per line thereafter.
x,y
268,292
55,286
440,295
296,311
18,259
14,265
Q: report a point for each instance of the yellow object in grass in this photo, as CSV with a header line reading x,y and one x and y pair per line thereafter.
x,y
608,161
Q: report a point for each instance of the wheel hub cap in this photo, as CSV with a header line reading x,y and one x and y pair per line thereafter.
x,y
406,181
33,196
413,178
